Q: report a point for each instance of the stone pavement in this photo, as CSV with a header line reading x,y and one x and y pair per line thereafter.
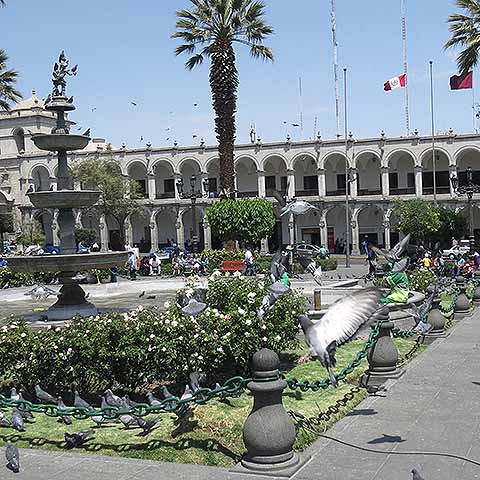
x,y
434,407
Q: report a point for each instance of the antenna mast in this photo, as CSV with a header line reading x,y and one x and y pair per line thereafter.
x,y
335,67
405,63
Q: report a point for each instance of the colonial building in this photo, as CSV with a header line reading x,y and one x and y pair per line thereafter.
x,y
382,169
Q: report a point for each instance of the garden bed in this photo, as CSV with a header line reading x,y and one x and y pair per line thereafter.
x,y
213,436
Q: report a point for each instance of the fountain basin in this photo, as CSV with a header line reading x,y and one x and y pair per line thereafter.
x,y
60,142
64,199
67,263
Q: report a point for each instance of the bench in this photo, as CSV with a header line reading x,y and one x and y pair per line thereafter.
x,y
232,266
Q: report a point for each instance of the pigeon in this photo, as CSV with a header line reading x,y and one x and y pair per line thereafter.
x,y
13,457
128,402
295,124
134,104
416,475
41,292
86,133
196,380
141,138
66,419
129,420
420,314
70,100
279,265
187,393
112,399
277,290
31,189
297,207
94,108
17,420
75,440
14,395
142,294
152,399
339,324
80,402
194,308
44,396
195,104
4,421
99,420
25,413
147,424
151,297
311,267
396,252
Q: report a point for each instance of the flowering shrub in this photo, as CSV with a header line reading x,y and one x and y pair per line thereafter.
x,y
146,346
420,279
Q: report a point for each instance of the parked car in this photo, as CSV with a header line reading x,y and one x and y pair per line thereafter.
x,y
308,250
461,249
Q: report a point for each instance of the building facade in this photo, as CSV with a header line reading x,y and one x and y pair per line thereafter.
x,y
381,170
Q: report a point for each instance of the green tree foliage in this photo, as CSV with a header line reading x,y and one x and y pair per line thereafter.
x,y
452,224
31,233
6,226
120,196
247,220
85,235
417,217
465,30
8,78
209,29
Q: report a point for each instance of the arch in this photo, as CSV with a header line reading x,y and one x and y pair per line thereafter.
x,y
45,220
161,160
246,176
301,156
399,152
254,159
335,220
442,172
45,166
189,162
276,176
305,167
335,181
468,156
40,176
90,219
166,221
129,164
326,157
163,171
270,157
137,170
187,218
368,164
401,171
427,155
308,227
370,220
19,138
212,170
211,161
141,233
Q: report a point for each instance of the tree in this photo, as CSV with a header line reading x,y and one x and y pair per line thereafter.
x,y
86,235
120,197
6,226
246,220
452,224
31,233
417,217
210,29
465,30
8,78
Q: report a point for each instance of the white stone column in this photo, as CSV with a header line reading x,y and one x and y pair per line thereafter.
x,y
418,181
354,183
386,226
323,232
291,183
261,184
153,232
103,234
55,229
152,186
177,176
264,246
129,232
453,172
385,181
322,185
355,233
180,231
207,234
291,230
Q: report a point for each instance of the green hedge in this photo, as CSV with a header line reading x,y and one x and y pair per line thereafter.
x,y
146,346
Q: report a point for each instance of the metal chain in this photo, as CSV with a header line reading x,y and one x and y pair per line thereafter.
x,y
397,333
418,343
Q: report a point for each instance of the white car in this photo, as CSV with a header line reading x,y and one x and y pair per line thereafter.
x,y
461,249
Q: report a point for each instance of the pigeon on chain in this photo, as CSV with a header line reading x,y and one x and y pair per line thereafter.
x,y
75,440
129,421
112,399
197,379
13,457
14,396
339,325
187,393
80,402
311,267
297,207
416,475
420,314
44,396
154,400
17,420
128,402
66,419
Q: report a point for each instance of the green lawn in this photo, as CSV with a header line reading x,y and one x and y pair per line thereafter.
x,y
213,436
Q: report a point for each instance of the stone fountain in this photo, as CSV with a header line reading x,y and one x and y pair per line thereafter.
x,y
71,299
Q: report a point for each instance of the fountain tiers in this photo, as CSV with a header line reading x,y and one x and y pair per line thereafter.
x,y
71,299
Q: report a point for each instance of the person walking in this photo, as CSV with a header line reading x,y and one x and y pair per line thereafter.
x,y
248,263
132,265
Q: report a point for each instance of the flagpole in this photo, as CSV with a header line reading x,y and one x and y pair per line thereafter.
x,y
335,66
473,108
405,64
347,182
433,135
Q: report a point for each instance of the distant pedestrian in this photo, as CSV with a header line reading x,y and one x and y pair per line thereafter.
x,y
248,263
132,265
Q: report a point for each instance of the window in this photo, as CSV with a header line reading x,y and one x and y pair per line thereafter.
x,y
393,180
310,182
19,137
341,181
283,184
270,183
212,184
410,180
169,185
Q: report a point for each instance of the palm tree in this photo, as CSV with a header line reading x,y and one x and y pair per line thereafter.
x,y
465,30
210,29
7,79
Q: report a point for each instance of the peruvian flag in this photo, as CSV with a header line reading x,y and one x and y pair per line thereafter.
x,y
461,82
396,82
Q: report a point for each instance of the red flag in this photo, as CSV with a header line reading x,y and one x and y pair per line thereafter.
x,y
460,82
396,82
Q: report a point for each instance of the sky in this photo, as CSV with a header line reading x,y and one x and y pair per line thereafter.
x,y
125,54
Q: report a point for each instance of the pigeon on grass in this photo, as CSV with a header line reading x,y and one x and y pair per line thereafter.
x,y
75,440
13,457
80,402
17,420
339,325
4,421
66,419
147,424
44,396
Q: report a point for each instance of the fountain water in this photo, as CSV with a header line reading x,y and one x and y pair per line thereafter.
x,y
71,300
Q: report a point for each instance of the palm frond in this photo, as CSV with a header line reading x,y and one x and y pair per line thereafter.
x,y
262,52
194,61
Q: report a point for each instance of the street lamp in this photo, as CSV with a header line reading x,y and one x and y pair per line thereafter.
x,y
193,195
469,190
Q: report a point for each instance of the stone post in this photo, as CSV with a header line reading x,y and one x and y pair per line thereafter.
x,y
291,183
261,184
152,186
153,235
180,232
386,233
264,246
355,238
462,305
354,183
383,357
103,234
322,186
385,181
207,234
269,432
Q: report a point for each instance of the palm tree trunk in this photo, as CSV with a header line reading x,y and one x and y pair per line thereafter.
x,y
224,84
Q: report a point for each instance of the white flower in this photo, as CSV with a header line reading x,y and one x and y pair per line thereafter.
x,y
241,311
23,335
277,338
164,349
152,335
167,304
237,274
247,334
264,339
263,327
248,321
220,349
189,292
174,323
215,311
180,337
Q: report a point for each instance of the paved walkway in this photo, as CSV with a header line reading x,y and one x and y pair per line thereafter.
x,y
434,407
